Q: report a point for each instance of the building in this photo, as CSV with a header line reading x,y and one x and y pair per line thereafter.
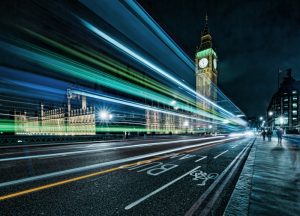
x,y
206,72
206,82
283,109
206,67
76,118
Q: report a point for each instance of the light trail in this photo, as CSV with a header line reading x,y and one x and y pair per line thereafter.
x,y
142,106
160,32
150,65
68,67
113,66
52,155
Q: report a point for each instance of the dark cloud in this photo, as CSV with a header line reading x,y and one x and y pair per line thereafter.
x,y
252,38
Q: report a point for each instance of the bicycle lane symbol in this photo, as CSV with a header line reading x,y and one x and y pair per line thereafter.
x,y
203,177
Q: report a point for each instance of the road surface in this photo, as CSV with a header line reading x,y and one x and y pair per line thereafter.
x,y
141,177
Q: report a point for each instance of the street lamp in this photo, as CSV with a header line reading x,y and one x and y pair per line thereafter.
x,y
271,113
261,118
281,120
105,115
173,102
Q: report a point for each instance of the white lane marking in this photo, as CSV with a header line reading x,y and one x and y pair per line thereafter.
x,y
109,163
99,150
215,157
201,159
159,189
234,146
51,144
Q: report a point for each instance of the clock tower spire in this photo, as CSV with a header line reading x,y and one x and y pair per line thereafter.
x,y
206,39
206,68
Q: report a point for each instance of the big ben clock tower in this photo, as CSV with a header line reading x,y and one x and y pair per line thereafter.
x,y
206,69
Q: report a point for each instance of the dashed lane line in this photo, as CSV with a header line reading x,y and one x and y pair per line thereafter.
x,y
215,157
200,159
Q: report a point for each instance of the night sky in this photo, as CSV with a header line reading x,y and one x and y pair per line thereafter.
x,y
252,39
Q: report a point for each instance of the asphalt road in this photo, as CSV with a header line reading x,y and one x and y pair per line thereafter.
x,y
142,177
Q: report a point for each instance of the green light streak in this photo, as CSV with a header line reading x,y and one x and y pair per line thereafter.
x,y
69,67
115,67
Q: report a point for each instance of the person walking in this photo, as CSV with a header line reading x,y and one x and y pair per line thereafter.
x,y
269,135
263,133
279,133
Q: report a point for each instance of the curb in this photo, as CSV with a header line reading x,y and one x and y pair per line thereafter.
x,y
239,201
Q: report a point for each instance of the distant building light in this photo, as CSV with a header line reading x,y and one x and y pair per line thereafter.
x,y
186,123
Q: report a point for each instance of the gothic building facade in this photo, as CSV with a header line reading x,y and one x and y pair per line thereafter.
x,y
72,119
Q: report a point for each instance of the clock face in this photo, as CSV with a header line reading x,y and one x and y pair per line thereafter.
x,y
203,62
215,63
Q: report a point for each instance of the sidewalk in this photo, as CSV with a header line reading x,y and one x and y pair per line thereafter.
x,y
270,181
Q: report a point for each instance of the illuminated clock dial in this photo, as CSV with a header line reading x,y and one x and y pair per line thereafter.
x,y
203,62
215,63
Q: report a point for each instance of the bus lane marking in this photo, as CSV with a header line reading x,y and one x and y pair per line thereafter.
x,y
203,176
159,189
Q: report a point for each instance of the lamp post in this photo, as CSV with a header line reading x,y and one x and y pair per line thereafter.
x,y
271,113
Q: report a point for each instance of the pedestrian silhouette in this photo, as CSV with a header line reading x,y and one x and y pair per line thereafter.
x,y
269,135
263,133
279,133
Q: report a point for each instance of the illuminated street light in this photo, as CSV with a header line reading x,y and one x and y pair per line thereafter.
x,y
261,118
173,102
281,120
271,113
105,115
